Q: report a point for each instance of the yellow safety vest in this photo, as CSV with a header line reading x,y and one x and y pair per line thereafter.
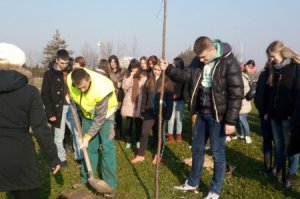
x,y
100,87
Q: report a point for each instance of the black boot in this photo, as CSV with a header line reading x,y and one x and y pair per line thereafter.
x,y
268,164
279,176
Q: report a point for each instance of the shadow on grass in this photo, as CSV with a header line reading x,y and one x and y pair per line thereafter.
x,y
250,168
253,120
45,189
135,171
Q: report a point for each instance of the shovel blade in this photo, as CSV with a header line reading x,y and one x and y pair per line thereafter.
x,y
100,186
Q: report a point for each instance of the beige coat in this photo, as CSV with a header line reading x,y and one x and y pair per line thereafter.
x,y
128,107
246,105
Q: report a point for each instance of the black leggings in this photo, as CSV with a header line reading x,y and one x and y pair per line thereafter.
x,y
129,129
26,194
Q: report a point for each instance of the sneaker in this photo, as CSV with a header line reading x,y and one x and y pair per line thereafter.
x,y
186,187
128,145
212,195
248,140
238,137
228,138
138,159
179,138
78,185
109,195
170,138
138,145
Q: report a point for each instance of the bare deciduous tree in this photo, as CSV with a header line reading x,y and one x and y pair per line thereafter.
x,y
106,49
90,55
33,58
109,48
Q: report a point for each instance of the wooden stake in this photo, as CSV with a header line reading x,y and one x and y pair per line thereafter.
x,y
160,119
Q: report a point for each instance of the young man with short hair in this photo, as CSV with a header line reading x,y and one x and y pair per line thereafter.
x,y
54,91
217,93
95,95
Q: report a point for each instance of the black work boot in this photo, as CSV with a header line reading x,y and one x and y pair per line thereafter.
x,y
279,176
268,164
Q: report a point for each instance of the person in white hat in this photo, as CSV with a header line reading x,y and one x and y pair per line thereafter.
x,y
21,108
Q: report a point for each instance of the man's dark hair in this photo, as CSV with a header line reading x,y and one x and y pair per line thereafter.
x,y
78,75
201,44
62,54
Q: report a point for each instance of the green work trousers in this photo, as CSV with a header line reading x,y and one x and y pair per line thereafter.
x,y
105,137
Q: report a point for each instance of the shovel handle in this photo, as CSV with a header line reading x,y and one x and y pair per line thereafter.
x,y
85,154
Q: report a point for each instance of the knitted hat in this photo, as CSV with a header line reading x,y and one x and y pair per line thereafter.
x,y
11,54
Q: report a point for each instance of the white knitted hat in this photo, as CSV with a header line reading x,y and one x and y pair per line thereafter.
x,y
11,54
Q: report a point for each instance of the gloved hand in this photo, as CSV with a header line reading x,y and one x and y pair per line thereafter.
x,y
84,143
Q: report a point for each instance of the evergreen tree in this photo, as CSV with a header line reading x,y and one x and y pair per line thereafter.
x,y
52,46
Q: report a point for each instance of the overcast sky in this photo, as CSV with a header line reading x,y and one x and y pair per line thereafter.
x,y
249,26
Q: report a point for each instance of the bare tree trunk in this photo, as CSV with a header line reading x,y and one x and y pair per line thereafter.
x,y
160,105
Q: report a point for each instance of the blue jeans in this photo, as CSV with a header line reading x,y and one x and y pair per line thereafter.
x,y
59,134
242,125
177,114
206,125
266,131
281,129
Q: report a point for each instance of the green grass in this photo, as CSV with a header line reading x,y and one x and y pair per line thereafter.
x,y
138,181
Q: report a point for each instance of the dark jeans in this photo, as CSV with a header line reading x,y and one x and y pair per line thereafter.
x,y
281,132
205,123
149,124
129,129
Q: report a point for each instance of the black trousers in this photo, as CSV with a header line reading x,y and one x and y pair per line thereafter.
x,y
129,129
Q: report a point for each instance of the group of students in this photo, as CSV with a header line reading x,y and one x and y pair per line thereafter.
x,y
136,92
215,87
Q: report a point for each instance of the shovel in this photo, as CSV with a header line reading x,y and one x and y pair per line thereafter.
x,y
99,185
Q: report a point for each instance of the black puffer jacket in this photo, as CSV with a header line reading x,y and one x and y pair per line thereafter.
x,y
20,108
227,85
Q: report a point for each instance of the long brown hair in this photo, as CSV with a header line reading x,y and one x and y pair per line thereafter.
x,y
151,83
285,52
134,63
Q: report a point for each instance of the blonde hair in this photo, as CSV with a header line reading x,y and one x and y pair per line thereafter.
x,y
285,52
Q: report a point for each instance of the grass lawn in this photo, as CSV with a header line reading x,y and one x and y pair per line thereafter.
x,y
138,181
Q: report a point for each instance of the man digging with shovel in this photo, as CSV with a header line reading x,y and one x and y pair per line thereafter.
x,y
94,93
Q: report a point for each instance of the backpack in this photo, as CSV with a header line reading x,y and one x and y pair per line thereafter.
x,y
251,93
